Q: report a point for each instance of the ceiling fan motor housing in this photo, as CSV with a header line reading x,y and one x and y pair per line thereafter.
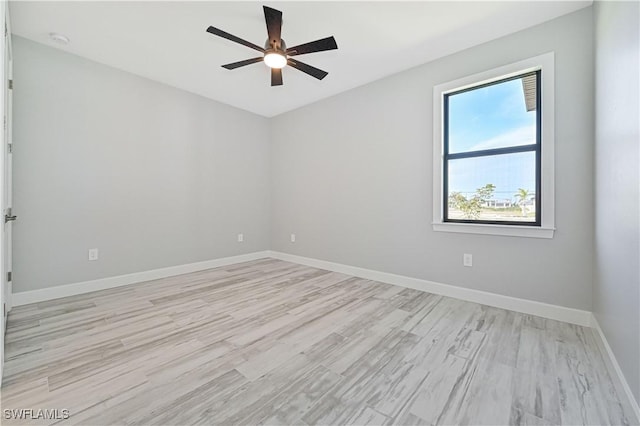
x,y
272,47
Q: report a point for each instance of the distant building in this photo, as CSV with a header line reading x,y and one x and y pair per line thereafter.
x,y
499,204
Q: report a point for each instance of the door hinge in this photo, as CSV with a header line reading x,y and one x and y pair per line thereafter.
x,y
9,276
9,217
10,147
10,84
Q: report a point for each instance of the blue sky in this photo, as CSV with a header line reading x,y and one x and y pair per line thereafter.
x,y
491,117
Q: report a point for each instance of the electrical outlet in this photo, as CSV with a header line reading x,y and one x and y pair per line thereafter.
x,y
93,254
240,238
467,259
293,238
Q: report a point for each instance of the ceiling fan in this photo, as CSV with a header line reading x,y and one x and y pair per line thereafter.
x,y
276,55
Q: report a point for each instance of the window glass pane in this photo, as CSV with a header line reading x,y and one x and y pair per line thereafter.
x,y
496,116
493,188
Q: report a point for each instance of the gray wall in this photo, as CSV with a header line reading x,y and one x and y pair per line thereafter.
x,y
150,175
352,177
616,291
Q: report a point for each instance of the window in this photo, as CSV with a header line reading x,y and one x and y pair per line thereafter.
x,y
493,151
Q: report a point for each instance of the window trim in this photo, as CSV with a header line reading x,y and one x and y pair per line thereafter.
x,y
546,226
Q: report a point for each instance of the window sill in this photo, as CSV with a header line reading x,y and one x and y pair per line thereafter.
x,y
502,230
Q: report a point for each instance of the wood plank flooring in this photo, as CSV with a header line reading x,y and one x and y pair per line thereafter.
x,y
271,342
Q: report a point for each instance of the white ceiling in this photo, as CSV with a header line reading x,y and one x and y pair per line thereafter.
x,y
167,41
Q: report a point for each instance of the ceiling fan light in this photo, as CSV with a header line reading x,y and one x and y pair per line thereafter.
x,y
275,60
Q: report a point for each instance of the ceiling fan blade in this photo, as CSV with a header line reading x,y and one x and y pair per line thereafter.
x,y
308,69
328,43
276,76
239,64
273,18
223,34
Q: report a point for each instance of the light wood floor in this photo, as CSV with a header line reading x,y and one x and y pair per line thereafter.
x,y
278,343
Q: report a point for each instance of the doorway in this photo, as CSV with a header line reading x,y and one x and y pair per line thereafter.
x,y
6,164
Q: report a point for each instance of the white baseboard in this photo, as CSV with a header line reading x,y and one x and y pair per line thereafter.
x,y
555,312
35,296
560,313
617,370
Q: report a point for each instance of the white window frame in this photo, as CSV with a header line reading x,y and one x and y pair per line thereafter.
x,y
546,229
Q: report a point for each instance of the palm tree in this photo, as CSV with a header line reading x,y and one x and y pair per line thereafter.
x,y
522,196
